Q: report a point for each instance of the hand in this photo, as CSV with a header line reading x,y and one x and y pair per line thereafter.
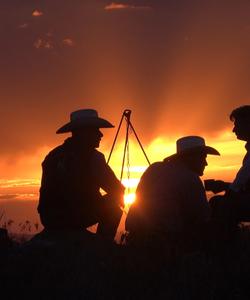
x,y
216,186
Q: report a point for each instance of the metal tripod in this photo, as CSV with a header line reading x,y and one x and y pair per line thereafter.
x,y
126,116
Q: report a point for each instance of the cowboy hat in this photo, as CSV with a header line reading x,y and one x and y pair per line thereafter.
x,y
191,145
84,118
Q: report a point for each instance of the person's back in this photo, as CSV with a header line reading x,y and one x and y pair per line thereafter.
x,y
171,199
167,201
69,181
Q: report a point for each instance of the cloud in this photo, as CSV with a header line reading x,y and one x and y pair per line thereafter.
x,y
23,26
37,13
15,183
114,6
8,196
68,42
42,43
49,34
121,6
49,43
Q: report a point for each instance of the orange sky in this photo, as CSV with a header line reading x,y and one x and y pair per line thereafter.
x,y
180,66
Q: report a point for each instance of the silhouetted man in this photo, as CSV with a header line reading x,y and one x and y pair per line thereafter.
x,y
236,203
72,177
171,199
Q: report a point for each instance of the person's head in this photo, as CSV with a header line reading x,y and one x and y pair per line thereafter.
x,y
85,127
195,161
90,136
241,118
192,151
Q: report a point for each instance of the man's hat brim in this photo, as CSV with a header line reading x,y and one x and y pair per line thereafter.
x,y
195,150
85,123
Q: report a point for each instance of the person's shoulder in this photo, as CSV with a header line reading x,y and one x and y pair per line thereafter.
x,y
98,159
98,155
177,170
54,153
154,168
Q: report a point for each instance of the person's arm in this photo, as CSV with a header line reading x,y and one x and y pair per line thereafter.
x,y
107,179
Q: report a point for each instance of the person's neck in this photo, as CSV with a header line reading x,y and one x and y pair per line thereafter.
x,y
81,143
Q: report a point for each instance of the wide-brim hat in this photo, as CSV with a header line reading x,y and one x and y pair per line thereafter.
x,y
192,145
84,118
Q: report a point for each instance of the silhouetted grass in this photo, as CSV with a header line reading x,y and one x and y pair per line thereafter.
x,y
80,266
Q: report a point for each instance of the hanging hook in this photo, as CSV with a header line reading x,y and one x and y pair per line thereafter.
x,y
127,113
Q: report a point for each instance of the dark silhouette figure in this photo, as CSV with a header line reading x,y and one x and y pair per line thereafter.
x,y
171,201
5,240
73,174
234,206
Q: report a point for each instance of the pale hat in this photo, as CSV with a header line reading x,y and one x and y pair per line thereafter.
x,y
193,144
84,118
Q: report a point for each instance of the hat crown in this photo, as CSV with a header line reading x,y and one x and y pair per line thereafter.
x,y
82,119
83,114
189,142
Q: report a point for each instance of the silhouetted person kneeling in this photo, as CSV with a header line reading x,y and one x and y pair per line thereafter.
x,y
73,174
234,206
171,204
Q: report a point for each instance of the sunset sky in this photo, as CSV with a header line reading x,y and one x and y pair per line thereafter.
x,y
180,66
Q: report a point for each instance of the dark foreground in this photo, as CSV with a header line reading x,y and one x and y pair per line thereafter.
x,y
77,267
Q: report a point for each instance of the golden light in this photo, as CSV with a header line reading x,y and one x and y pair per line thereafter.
x,y
129,199
130,185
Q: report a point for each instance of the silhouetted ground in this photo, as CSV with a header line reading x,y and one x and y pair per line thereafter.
x,y
84,267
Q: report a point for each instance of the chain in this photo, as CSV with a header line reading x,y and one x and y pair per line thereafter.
x,y
128,164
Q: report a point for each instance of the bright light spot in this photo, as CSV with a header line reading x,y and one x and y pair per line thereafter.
x,y
129,198
130,182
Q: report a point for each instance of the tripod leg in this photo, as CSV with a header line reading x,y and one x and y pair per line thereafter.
x,y
125,147
112,148
130,124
